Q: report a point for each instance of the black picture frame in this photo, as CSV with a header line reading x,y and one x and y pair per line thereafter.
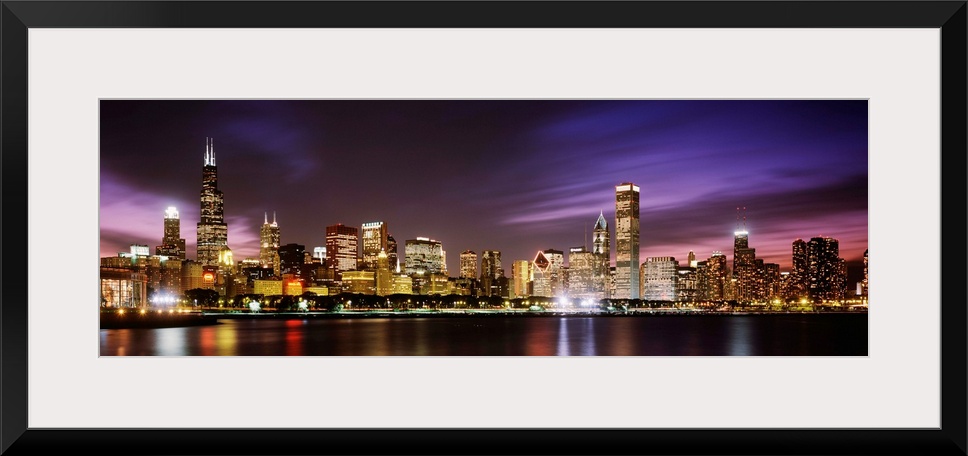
x,y
18,16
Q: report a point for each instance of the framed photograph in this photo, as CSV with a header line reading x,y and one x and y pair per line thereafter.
x,y
841,118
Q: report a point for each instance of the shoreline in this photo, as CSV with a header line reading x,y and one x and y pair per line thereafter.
x,y
135,319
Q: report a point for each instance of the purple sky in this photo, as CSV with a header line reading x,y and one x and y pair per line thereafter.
x,y
516,176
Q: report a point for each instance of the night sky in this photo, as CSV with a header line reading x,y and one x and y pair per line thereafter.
x,y
516,175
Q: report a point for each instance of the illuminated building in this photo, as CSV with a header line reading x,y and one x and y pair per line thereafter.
x,y
491,272
691,259
626,241
292,287
341,247
798,284
191,276
552,264
769,278
436,284
424,256
172,244
658,278
359,282
269,243
521,274
212,230
468,264
291,260
383,276
402,284
713,278
541,275
392,255
686,283
581,274
744,263
374,241
826,270
122,287
267,287
864,284
602,249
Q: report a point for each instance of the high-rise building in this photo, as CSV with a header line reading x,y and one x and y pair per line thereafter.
x,y
521,273
212,231
341,246
658,278
686,283
602,251
269,242
713,278
798,281
581,274
491,271
374,241
172,244
392,256
383,276
826,270
744,262
291,260
626,241
691,259
423,256
468,264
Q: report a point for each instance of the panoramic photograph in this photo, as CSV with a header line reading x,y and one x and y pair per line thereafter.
x,y
492,227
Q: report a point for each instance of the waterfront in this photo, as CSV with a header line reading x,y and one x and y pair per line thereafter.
x,y
834,334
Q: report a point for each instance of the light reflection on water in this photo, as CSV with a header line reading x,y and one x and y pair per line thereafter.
x,y
503,336
740,343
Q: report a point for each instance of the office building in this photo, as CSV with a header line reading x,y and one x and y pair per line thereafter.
x,y
626,241
374,241
172,244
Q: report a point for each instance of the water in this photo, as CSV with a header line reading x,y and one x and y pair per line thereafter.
x,y
710,335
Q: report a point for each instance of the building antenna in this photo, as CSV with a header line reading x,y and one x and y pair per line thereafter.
x,y
273,217
266,218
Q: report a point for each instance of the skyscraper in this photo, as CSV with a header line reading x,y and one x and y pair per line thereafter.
x,y
521,271
374,242
172,244
491,271
744,262
602,251
212,230
468,264
658,278
581,270
341,245
825,269
392,257
269,243
626,241
423,256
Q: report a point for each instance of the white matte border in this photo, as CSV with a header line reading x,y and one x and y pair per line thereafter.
x,y
898,70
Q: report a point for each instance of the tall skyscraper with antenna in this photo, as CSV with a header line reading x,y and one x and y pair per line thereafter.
x,y
212,230
626,241
269,242
744,260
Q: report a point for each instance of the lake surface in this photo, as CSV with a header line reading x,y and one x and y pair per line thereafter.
x,y
707,335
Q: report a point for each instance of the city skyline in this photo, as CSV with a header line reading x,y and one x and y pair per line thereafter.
x,y
393,161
